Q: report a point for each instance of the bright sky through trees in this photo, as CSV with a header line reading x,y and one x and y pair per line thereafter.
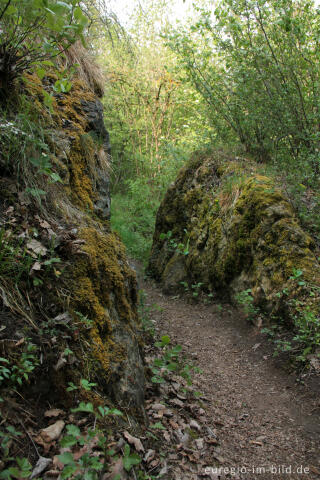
x,y
124,8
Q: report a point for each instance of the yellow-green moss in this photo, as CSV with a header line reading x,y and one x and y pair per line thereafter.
x,y
68,116
240,226
99,285
97,281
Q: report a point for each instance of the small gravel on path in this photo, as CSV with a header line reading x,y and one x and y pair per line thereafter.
x,y
265,419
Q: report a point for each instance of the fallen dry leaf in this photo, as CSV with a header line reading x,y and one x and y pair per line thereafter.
x,y
60,363
20,342
57,465
158,406
176,402
62,318
164,470
134,441
51,474
199,443
116,468
54,412
44,224
52,432
173,424
41,465
149,455
154,463
212,441
195,425
36,247
36,266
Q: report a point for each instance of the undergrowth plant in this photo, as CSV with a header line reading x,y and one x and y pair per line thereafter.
x,y
245,299
305,339
145,314
17,367
15,261
87,466
174,245
133,217
196,291
170,361
21,262
58,24
24,151
20,467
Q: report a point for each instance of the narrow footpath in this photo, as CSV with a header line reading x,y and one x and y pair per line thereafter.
x,y
267,424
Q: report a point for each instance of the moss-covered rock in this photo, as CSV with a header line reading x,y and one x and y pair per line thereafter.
x,y
241,233
96,283
101,284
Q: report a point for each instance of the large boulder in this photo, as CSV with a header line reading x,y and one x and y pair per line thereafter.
x,y
224,225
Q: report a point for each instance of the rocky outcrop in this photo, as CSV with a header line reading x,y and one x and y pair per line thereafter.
x,y
226,226
94,289
101,284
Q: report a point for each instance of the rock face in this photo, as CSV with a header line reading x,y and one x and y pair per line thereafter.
x,y
97,281
236,231
94,114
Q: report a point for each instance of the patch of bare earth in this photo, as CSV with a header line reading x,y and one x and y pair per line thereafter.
x,y
267,424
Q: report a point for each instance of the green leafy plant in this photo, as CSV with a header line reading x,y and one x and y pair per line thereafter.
x,y
85,384
43,167
17,369
15,260
86,466
185,286
130,458
87,322
196,287
145,314
245,299
169,362
174,245
306,322
20,467
58,24
28,159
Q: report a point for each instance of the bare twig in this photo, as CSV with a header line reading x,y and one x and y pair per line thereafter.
x,y
24,428
5,9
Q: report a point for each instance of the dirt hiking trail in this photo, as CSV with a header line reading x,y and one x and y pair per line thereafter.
x,y
263,418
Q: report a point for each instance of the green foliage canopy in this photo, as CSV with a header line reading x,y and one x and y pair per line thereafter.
x,y
256,64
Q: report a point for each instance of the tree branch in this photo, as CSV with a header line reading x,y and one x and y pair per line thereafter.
x,y
5,9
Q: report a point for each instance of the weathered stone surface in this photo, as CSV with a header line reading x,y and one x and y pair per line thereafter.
x,y
97,281
241,233
93,111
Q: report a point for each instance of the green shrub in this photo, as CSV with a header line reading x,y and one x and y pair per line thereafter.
x,y
133,217
34,31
